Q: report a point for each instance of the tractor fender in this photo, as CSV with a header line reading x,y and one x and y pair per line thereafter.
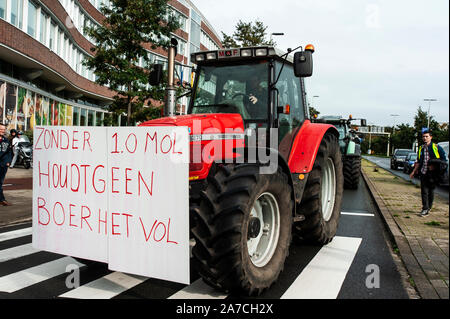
x,y
306,145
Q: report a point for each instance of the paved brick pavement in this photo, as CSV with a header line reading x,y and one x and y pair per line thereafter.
x,y
17,188
421,241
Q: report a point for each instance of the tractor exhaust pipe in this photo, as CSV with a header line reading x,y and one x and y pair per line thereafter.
x,y
169,106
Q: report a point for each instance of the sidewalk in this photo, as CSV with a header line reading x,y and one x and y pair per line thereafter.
x,y
17,188
422,242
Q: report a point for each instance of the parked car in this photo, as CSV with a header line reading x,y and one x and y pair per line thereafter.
x,y
409,163
444,146
399,156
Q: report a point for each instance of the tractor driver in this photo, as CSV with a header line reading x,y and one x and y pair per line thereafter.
x,y
256,102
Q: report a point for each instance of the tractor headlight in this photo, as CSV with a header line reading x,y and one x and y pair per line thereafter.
x,y
200,57
211,56
261,52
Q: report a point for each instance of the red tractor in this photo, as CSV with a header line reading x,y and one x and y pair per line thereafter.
x,y
260,173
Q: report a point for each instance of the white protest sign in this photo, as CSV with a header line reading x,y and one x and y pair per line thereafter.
x,y
115,195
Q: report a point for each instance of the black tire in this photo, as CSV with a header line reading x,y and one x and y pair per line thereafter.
x,y
221,218
315,228
27,165
352,171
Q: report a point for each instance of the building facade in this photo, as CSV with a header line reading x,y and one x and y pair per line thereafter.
x,y
42,45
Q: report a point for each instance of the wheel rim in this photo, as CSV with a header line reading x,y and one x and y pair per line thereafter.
x,y
328,189
262,245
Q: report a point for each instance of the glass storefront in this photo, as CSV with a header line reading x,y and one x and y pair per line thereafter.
x,y
22,109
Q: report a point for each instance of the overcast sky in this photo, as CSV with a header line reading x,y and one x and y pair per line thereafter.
x,y
373,58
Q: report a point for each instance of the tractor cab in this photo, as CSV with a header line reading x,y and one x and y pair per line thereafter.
x,y
260,83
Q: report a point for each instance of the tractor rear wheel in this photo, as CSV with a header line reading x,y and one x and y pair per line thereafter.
x,y
242,228
322,198
352,171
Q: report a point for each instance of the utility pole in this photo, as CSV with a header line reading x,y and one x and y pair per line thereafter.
x,y
393,130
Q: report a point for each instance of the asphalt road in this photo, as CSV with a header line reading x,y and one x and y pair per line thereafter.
x,y
385,163
357,264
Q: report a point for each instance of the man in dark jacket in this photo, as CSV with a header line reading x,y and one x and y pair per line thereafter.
x,y
429,154
5,161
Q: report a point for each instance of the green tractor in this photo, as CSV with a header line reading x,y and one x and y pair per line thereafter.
x,y
350,146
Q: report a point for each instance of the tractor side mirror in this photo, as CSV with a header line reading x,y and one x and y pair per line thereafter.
x,y
156,74
303,64
363,122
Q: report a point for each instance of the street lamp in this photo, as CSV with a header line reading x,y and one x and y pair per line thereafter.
x,y
313,100
394,115
429,105
275,33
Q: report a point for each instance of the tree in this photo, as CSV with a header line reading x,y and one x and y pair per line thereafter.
x,y
247,34
404,136
313,112
421,121
128,25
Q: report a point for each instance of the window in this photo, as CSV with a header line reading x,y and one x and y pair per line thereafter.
x,y
2,9
52,42
289,93
32,18
83,117
43,29
76,116
17,13
91,115
99,118
60,39
66,49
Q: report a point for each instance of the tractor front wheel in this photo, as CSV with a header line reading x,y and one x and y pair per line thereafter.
x,y
242,228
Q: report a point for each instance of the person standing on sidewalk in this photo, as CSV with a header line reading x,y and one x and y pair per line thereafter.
x,y
5,161
14,138
426,170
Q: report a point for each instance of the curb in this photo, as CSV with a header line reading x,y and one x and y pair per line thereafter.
x,y
421,282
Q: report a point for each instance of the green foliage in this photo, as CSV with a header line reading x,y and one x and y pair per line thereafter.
x,y
404,136
421,120
128,25
247,34
313,111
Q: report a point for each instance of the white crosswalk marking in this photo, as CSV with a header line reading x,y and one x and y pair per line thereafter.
x,y
34,275
198,290
357,214
16,252
106,287
15,234
321,279
324,275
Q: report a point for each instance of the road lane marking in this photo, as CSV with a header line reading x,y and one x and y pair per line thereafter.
x,y
16,252
15,234
324,275
357,214
106,287
34,275
198,290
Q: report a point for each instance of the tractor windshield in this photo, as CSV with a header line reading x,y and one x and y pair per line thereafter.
x,y
238,88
